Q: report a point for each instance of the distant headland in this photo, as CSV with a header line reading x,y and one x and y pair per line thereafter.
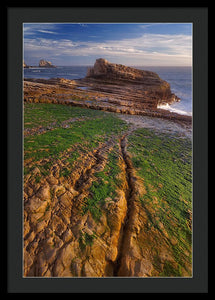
x,y
42,64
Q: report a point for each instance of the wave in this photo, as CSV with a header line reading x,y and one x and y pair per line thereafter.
x,y
175,110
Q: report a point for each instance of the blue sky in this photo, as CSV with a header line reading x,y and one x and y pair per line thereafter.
x,y
146,44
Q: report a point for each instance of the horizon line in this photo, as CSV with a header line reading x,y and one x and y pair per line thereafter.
x,y
91,65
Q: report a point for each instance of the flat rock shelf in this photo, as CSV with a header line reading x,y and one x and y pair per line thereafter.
x,y
107,177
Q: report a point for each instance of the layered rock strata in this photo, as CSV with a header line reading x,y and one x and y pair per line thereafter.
x,y
90,93
147,87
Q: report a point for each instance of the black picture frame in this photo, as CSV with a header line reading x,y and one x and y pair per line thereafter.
x,y
16,16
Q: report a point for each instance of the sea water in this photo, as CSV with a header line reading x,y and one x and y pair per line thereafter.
x,y
71,72
179,78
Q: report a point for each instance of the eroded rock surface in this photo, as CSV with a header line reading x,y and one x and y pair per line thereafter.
x,y
59,240
62,238
147,87
108,87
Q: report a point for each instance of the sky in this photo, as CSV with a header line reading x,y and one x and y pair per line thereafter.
x,y
132,44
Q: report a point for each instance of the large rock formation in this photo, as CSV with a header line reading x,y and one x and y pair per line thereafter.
x,y
105,70
46,64
108,87
144,88
24,65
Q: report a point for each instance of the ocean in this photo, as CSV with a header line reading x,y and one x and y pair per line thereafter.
x,y
179,78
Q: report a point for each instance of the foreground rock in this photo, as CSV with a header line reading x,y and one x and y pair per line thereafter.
x,y
62,239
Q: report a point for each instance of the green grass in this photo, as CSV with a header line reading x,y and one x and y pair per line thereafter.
x,y
42,114
170,271
51,143
165,164
104,187
86,239
79,138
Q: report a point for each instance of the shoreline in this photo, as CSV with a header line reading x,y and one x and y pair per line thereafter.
x,y
109,81
71,92
173,109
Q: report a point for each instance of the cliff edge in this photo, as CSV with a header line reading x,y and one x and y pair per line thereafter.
x,y
147,86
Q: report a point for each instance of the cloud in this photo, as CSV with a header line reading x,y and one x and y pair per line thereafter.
x,y
47,31
34,28
160,49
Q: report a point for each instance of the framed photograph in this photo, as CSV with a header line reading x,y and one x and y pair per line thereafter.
x,y
107,150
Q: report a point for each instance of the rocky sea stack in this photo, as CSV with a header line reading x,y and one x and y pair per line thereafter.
x,y
109,87
103,69
46,64
145,87
25,65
